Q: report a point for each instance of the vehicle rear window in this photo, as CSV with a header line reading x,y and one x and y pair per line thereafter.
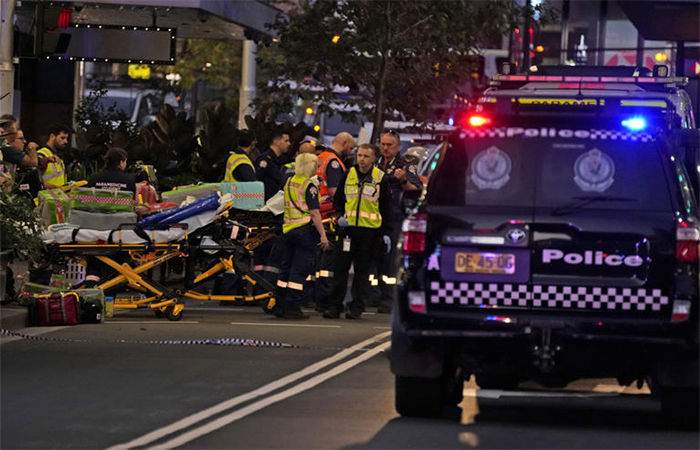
x,y
553,172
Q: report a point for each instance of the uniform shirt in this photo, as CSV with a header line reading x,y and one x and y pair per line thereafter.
x,y
244,172
384,197
12,156
113,179
334,173
311,197
388,167
271,172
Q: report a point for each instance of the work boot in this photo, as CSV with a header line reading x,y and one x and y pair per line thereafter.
x,y
353,315
294,314
331,314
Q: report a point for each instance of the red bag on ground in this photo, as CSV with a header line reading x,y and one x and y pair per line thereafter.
x,y
56,309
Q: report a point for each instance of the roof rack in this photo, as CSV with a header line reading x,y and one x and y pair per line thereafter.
x,y
523,79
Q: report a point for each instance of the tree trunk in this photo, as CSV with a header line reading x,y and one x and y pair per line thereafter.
x,y
379,97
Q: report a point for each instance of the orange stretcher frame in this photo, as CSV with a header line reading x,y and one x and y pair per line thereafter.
x,y
161,299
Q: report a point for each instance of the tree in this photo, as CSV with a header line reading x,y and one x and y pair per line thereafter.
x,y
215,62
394,56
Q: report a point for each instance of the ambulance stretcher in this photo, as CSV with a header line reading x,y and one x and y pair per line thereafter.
x,y
224,237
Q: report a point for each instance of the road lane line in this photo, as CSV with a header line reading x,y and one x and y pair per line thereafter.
x,y
267,401
302,325
230,403
150,322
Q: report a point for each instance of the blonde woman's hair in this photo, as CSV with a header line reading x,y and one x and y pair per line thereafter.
x,y
305,165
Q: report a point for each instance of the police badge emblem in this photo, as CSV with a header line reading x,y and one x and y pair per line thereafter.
x,y
491,169
594,171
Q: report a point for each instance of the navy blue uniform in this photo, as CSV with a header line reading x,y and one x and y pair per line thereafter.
x,y
386,262
270,170
297,260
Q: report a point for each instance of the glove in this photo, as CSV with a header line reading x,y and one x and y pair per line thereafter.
x,y
342,222
387,242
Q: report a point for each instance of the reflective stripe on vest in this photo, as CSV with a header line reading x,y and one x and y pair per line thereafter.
x,y
235,160
362,201
54,175
296,211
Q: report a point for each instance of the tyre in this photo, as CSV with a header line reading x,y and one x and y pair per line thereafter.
x,y
679,406
418,397
174,312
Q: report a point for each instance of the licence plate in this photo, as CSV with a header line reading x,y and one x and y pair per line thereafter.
x,y
484,262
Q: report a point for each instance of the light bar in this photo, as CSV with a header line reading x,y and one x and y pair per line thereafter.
x,y
656,80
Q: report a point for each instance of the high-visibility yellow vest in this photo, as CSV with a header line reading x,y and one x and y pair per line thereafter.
x,y
296,211
235,160
55,174
362,201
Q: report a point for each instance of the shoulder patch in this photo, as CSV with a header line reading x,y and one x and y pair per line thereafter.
x,y
412,168
262,163
335,164
313,190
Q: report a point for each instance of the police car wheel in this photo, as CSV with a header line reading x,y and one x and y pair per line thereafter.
x,y
418,397
679,406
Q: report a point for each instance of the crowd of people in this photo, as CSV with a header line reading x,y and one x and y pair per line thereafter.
x,y
342,208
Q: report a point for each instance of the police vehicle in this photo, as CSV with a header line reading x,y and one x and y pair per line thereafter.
x,y
557,240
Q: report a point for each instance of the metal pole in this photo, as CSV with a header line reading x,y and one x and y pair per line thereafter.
x,y
564,43
600,35
7,69
680,58
526,37
78,89
247,89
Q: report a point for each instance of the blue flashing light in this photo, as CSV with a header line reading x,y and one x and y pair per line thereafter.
x,y
451,121
636,123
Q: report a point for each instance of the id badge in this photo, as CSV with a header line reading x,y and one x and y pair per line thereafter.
x,y
368,190
346,244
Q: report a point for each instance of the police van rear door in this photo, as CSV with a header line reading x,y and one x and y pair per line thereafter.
x,y
550,219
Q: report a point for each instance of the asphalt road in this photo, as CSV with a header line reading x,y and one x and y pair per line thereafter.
x,y
141,382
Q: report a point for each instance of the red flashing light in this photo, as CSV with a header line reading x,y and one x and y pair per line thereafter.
x,y
687,242
478,121
64,18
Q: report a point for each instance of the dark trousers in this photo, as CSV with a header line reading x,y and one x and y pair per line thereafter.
x,y
296,262
388,269
363,242
326,267
266,261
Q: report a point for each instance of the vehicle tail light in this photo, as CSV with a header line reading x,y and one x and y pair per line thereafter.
x,y
478,121
416,302
687,242
414,229
681,311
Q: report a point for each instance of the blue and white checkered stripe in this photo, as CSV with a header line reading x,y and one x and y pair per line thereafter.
x,y
588,134
549,296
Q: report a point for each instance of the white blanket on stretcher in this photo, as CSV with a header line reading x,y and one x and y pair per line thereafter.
x,y
62,233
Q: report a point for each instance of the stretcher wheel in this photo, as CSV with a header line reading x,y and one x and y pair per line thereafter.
x,y
174,312
268,305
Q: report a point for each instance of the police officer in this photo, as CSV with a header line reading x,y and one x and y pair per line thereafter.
x,y
302,233
331,170
270,165
362,199
239,167
402,177
51,166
